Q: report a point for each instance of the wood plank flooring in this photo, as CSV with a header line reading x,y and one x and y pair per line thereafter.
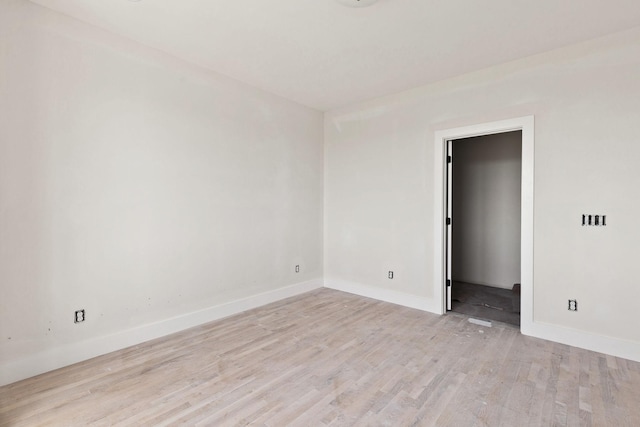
x,y
328,358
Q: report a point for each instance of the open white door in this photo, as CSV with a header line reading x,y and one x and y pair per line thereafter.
x,y
441,200
448,220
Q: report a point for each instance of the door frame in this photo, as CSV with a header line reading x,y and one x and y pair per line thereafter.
x,y
526,125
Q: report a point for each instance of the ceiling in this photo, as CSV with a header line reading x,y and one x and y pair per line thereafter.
x,y
325,55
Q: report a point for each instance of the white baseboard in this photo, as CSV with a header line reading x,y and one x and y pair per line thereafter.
x,y
387,295
602,344
59,357
612,346
69,354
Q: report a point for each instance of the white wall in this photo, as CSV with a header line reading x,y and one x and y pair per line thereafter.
x,y
486,209
147,191
156,195
379,186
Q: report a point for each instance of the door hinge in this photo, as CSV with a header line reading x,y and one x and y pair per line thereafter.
x,y
448,283
448,159
448,221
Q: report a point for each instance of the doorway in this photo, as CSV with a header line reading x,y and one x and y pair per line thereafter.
x,y
442,258
485,212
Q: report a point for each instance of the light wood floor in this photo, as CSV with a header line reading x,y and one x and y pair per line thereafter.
x,y
330,358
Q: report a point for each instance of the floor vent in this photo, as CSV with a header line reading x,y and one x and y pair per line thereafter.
x,y
479,322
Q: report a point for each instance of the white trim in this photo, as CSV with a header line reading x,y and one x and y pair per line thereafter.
x,y
69,354
387,295
599,343
526,125
602,344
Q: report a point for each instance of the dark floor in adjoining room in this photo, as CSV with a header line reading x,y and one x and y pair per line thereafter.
x,y
486,302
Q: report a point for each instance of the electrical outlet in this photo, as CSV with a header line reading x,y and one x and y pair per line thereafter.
x,y
573,305
79,316
297,269
390,274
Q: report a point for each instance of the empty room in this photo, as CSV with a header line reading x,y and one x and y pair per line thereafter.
x,y
281,213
